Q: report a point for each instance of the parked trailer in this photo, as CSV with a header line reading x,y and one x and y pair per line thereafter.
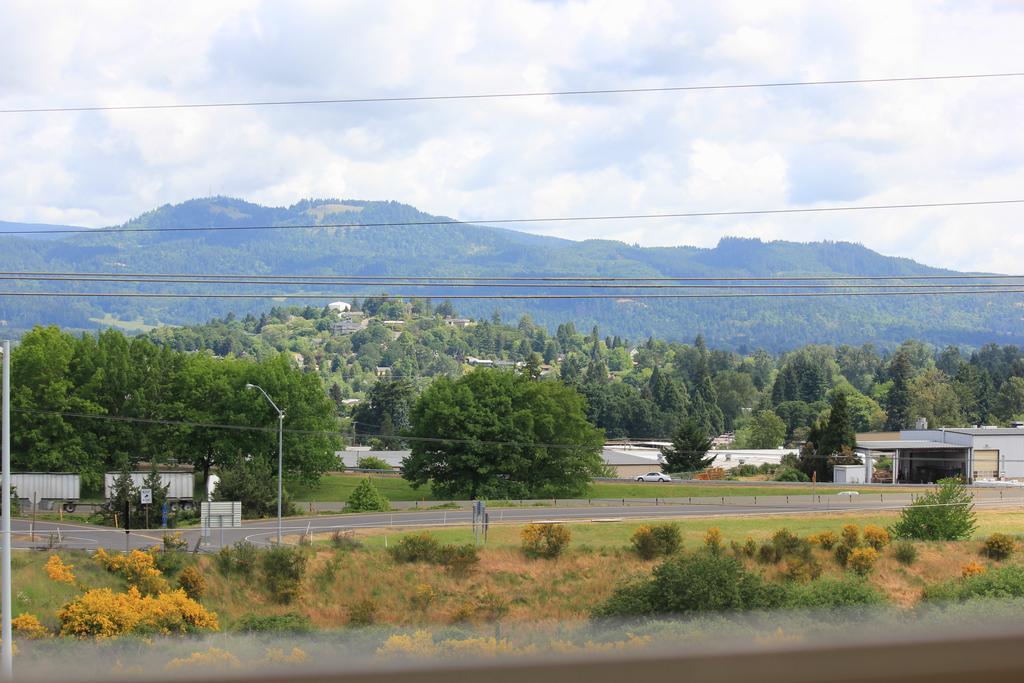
x,y
48,489
180,485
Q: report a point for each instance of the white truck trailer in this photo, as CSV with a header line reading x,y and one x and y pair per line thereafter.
x,y
47,489
179,480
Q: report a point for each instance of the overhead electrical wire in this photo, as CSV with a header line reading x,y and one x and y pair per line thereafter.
x,y
507,221
505,95
979,286
372,279
422,295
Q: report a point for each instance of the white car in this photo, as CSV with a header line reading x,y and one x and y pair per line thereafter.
x,y
654,476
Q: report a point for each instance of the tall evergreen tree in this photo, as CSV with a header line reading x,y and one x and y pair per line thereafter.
x,y
897,402
838,432
704,407
690,445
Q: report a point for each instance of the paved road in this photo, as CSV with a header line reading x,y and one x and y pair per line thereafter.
x,y
71,535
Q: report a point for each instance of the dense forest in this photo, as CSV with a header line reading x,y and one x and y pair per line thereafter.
x,y
369,246
375,360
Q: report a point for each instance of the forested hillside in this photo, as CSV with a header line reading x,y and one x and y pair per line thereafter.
x,y
471,250
641,388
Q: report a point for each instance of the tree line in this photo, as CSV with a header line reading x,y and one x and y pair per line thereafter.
x,y
96,403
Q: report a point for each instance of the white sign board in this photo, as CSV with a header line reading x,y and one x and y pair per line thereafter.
x,y
220,514
146,496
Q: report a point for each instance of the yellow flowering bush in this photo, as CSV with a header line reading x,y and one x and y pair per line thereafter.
x,y
58,571
970,569
876,537
423,596
862,560
102,613
713,539
213,659
825,539
137,567
28,626
544,540
850,535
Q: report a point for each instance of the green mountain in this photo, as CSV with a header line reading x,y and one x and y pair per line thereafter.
x,y
463,250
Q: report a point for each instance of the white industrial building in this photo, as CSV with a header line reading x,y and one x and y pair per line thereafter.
x,y
921,456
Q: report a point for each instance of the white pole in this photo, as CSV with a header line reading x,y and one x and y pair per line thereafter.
x,y
280,466
7,647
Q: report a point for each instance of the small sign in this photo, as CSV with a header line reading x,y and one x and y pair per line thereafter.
x,y
146,496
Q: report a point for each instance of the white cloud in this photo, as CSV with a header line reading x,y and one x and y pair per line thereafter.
x,y
643,153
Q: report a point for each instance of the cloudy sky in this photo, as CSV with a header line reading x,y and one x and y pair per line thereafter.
x,y
636,153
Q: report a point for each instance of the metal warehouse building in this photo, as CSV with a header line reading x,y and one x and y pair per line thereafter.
x,y
922,456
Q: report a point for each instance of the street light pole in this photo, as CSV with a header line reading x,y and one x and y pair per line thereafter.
x,y
7,647
280,453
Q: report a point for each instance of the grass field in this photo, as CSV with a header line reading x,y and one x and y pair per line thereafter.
x,y
336,487
599,558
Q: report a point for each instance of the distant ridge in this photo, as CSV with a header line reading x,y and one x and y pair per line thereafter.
x,y
460,249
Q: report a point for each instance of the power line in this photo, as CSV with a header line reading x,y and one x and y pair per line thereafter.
x,y
374,279
975,286
428,295
505,95
507,221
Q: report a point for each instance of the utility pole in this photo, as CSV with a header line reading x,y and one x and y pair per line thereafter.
x,y
7,646
280,453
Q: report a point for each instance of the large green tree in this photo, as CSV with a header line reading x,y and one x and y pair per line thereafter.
x,y
497,434
689,448
765,430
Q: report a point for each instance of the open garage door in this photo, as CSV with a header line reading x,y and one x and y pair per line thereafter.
x,y
986,464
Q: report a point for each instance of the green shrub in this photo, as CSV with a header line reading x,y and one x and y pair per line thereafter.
x,y
749,547
862,560
224,560
327,574
790,474
788,544
767,554
283,569
905,552
169,562
999,546
713,540
245,556
192,582
700,582
366,498
943,515
544,540
290,622
832,593
372,462
842,554
802,569
419,547
658,540
460,560
999,583
363,612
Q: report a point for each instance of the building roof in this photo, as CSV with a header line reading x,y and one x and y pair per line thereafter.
x,y
612,456
984,431
908,445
